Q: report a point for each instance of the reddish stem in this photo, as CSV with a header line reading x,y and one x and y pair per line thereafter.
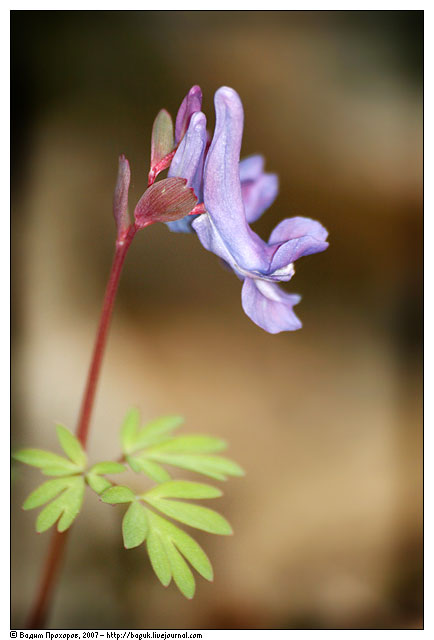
x,y
122,247
40,610
160,166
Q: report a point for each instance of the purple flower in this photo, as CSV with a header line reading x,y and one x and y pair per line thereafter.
x,y
189,158
259,189
232,194
237,193
192,103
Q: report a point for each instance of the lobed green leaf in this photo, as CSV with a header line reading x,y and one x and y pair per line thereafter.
x,y
155,432
150,468
49,516
45,492
129,429
192,514
158,557
117,495
71,446
190,549
107,467
134,525
183,489
191,444
66,507
49,463
72,500
56,470
97,483
180,570
216,467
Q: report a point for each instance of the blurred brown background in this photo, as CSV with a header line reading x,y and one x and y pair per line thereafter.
x,y
326,421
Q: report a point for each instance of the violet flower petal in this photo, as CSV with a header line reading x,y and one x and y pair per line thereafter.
x,y
291,228
251,167
237,193
191,103
211,240
227,231
269,307
222,189
183,225
297,237
258,195
188,163
189,158
258,189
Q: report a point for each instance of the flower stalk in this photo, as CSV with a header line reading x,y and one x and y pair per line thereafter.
x,y
122,247
39,613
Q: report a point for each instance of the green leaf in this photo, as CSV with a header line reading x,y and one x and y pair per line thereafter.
x,y
192,514
118,495
191,444
150,468
181,572
158,557
66,507
56,470
165,544
155,432
216,467
183,489
129,429
187,546
49,516
49,463
45,492
72,499
107,467
134,525
162,140
71,446
97,483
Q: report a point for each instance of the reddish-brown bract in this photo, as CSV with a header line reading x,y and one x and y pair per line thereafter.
x,y
165,201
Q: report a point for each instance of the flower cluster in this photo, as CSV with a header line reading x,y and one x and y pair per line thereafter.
x,y
209,191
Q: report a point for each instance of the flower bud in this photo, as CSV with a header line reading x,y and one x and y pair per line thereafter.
x,y
162,141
